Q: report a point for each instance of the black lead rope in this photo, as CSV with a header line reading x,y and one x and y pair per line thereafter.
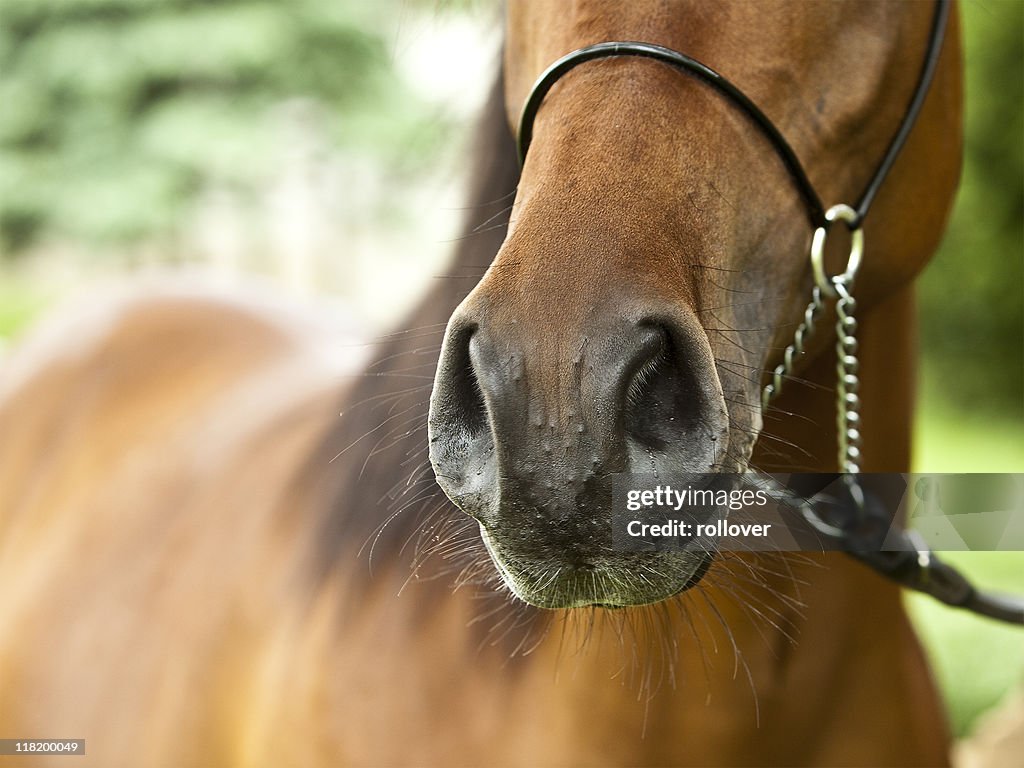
x,y
923,571
862,528
911,564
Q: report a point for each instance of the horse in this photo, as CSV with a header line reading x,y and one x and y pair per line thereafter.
x,y
201,564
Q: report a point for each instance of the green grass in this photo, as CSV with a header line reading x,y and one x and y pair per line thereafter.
x,y
976,660
949,441
20,304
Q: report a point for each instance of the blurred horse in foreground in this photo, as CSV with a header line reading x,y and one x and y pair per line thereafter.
x,y
201,564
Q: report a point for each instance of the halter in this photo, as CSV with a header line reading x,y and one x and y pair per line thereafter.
x,y
912,564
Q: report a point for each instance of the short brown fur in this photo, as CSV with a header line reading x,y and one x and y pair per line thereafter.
x,y
179,578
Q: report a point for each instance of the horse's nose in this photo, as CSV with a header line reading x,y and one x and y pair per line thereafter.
x,y
540,419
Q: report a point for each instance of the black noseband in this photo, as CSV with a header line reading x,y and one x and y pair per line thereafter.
x,y
688,65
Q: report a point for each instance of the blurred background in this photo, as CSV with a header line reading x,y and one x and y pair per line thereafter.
x,y
314,146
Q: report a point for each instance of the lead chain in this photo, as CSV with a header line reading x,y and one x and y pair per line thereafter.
x,y
803,332
847,369
847,373
847,364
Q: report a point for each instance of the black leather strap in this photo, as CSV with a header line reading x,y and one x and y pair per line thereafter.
x,y
686,64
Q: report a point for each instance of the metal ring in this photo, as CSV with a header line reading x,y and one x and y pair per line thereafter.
x,y
849,216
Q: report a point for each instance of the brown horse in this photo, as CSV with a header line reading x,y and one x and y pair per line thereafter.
x,y
182,513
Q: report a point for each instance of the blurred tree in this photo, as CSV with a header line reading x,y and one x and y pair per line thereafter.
x,y
114,112
972,295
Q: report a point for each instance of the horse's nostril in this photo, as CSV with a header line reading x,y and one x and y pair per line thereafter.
x,y
461,398
649,357
462,449
663,404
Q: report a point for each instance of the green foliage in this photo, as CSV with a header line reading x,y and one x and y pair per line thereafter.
x,y
972,295
976,661
116,111
20,304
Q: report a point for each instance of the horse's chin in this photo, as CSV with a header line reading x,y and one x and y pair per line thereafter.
x,y
619,580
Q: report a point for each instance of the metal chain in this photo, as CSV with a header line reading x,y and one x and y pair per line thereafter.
x,y
913,564
803,332
847,376
847,363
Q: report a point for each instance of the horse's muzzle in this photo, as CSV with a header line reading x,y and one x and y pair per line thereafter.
x,y
530,422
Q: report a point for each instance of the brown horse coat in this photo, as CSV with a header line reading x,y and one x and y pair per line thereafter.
x,y
180,581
